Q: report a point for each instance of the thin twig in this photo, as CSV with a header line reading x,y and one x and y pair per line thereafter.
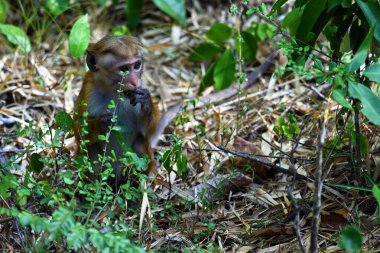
x,y
260,160
318,189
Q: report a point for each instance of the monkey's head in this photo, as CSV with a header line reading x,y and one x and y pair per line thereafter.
x,y
117,61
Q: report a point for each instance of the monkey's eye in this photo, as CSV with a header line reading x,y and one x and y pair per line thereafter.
x,y
124,68
137,65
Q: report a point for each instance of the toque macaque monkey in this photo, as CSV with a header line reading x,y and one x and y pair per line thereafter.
x,y
115,68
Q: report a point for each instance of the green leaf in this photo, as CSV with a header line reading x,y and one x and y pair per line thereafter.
x,y
219,32
16,36
133,10
64,121
277,5
371,10
36,165
4,7
79,37
224,71
6,183
361,54
339,95
292,20
174,8
57,7
370,101
310,15
373,72
350,239
376,193
203,52
248,46
208,78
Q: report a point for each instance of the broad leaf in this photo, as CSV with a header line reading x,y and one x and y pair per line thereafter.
x,y
224,72
203,52
57,7
371,10
174,8
373,72
310,15
292,20
219,32
208,78
133,10
16,36
277,5
248,46
7,182
4,7
64,121
350,239
339,95
370,101
361,54
79,37
35,163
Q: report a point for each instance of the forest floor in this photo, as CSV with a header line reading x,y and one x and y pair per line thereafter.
x,y
253,178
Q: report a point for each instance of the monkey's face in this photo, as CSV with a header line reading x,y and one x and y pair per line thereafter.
x,y
120,72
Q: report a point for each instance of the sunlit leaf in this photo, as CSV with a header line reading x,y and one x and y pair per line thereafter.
x,y
174,8
224,71
57,7
361,54
370,101
373,72
203,52
219,32
79,37
339,95
16,36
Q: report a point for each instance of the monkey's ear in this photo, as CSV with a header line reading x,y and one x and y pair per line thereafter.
x,y
91,61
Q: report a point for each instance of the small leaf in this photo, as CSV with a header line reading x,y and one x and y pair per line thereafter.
x,y
64,121
370,101
224,71
6,183
361,54
79,37
102,138
174,8
36,165
373,72
57,7
376,193
203,52
339,95
351,239
16,36
219,32
4,7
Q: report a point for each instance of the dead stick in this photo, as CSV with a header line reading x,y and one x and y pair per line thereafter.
x,y
318,184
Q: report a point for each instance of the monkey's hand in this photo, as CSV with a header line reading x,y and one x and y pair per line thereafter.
x,y
142,96
107,117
